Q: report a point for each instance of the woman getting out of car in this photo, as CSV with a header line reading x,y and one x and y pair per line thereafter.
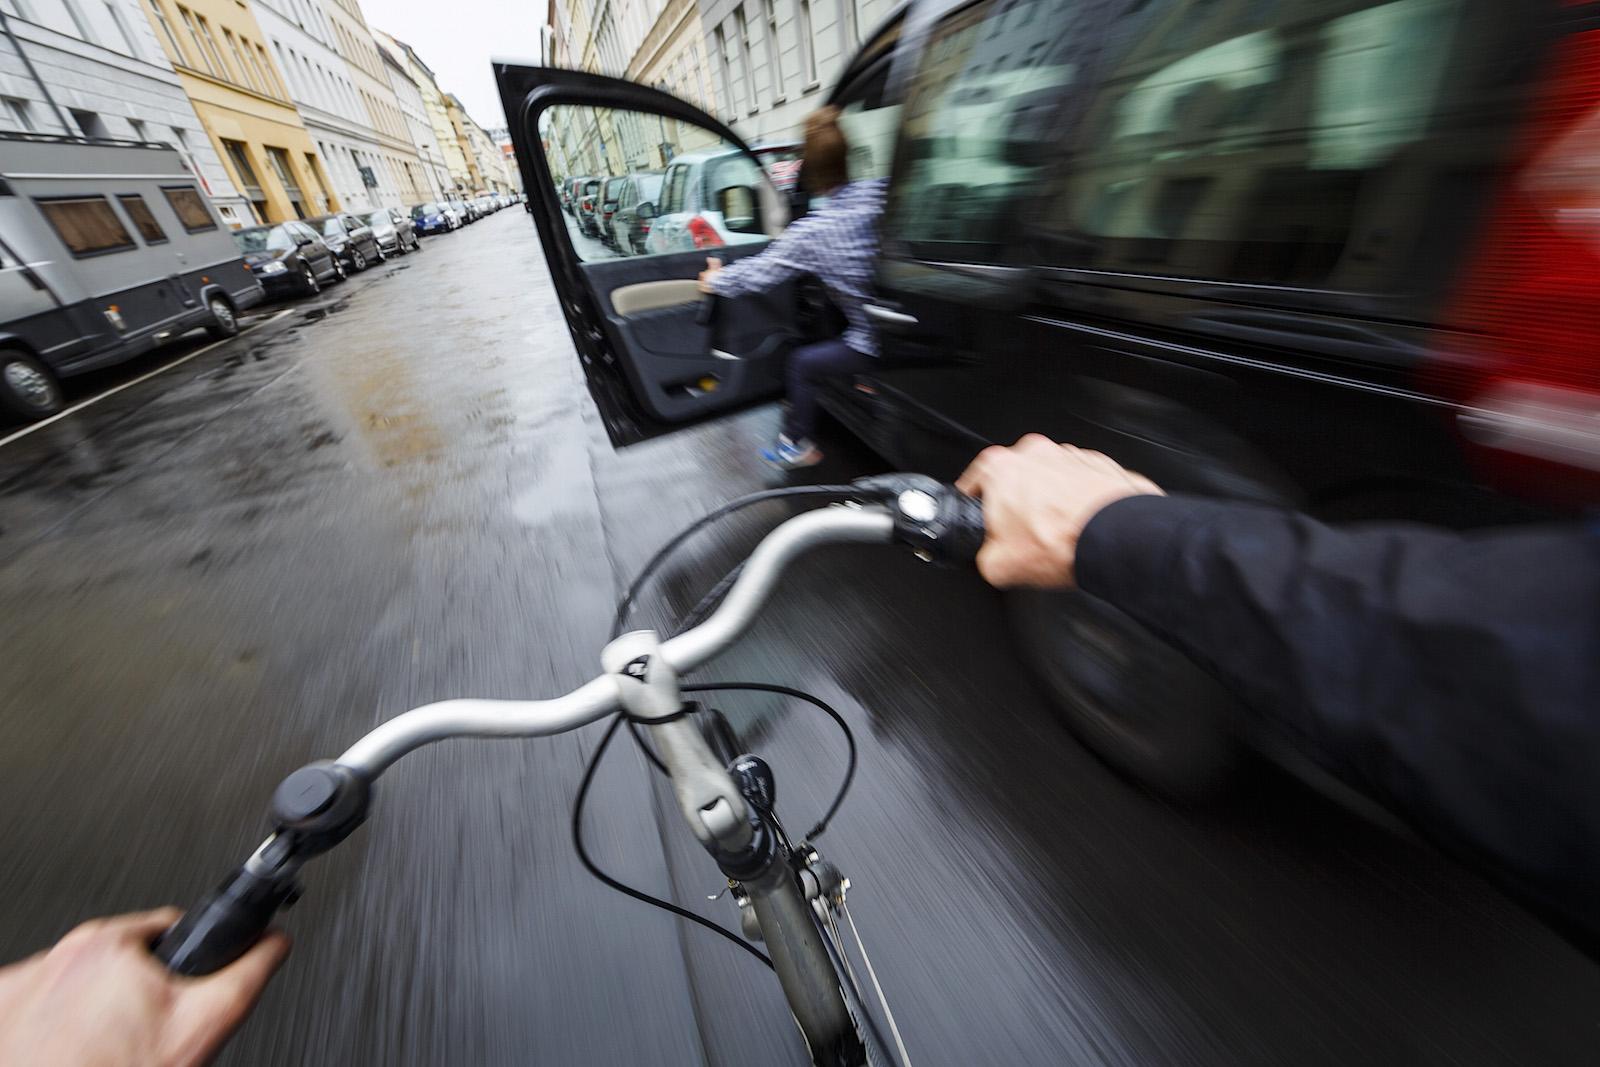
x,y
837,242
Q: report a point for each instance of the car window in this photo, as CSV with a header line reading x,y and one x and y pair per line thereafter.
x,y
1289,149
379,218
332,228
672,198
870,123
976,125
732,169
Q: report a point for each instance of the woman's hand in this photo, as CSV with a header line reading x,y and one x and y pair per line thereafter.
x,y
1037,498
713,265
99,998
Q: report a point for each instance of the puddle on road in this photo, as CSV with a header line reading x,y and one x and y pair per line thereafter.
x,y
322,311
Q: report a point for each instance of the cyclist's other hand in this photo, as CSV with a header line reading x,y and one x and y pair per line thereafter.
x,y
100,998
1038,497
713,265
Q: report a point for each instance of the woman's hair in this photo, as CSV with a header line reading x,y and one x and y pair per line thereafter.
x,y
825,160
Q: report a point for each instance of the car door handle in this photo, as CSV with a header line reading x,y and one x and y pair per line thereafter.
x,y
889,316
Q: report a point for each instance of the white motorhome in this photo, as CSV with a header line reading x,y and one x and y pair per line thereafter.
x,y
107,249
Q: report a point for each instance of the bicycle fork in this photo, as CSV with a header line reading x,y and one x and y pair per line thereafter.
x,y
741,836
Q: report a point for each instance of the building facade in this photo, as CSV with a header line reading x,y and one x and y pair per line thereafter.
x,y
68,67
437,108
774,60
415,110
220,54
390,172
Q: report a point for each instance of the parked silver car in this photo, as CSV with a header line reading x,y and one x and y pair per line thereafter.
x,y
394,231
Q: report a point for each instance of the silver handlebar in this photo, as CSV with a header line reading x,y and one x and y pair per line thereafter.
x,y
372,755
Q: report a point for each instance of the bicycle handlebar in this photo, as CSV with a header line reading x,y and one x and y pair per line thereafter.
x,y
319,805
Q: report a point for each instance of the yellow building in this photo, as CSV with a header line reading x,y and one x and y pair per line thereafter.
x,y
221,58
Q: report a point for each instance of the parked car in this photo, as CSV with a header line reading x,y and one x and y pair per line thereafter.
x,y
628,230
469,211
588,204
107,250
575,187
610,198
289,259
350,238
487,205
687,216
432,217
394,231
1166,235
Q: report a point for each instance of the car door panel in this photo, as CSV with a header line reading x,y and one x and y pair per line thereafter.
x,y
651,366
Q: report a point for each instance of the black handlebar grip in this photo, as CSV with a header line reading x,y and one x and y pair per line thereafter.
x,y
964,532
936,519
224,925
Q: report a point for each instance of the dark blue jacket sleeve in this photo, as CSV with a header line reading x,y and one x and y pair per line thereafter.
x,y
1453,676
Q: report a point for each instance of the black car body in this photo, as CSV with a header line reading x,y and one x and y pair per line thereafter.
x,y
349,237
289,258
628,230
1332,256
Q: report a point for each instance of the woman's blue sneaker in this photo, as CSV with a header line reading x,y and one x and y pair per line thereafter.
x,y
792,455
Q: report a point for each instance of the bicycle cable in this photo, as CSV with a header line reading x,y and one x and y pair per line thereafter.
x,y
618,621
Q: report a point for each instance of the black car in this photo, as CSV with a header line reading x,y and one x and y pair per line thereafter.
x,y
1334,256
627,229
350,238
289,258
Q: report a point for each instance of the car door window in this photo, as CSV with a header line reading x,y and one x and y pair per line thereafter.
x,y
619,144
870,122
977,125
1290,147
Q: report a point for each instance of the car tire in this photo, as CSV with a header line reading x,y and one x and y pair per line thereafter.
x,y
358,260
1138,703
224,322
28,389
340,273
309,280
378,254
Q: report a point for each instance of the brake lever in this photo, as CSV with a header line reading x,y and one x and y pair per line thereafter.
x,y
939,522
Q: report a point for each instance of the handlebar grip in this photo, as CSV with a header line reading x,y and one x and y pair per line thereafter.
x,y
224,925
936,519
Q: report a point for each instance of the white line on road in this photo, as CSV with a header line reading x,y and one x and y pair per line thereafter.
x,y
180,361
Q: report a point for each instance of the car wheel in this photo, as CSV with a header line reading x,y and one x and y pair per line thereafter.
x,y
313,287
27,388
223,321
339,271
358,260
1139,704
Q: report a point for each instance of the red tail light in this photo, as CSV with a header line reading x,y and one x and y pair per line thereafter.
x,y
1530,307
705,235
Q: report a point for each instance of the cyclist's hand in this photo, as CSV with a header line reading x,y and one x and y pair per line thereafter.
x,y
1037,498
713,265
100,999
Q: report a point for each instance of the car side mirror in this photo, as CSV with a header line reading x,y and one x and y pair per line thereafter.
x,y
738,205
645,211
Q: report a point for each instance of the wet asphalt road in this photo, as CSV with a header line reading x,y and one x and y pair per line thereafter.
x,y
400,493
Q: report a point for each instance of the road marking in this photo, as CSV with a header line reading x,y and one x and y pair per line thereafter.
x,y
180,361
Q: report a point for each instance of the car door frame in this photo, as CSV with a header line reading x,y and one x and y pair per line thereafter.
x,y
526,92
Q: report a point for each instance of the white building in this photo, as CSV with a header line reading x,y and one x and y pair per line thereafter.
x,y
436,172
323,91
103,74
774,60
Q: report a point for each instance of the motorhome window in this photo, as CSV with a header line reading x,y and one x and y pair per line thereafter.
x,y
87,225
190,208
143,220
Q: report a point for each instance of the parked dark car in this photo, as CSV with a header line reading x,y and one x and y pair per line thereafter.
x,y
1338,257
394,231
588,204
289,258
574,193
350,238
610,199
431,218
628,227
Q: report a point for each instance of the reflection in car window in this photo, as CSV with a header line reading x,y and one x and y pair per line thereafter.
x,y
1257,152
977,124
735,168
275,239
332,228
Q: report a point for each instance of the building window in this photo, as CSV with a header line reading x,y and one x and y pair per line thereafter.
x,y
746,64
280,164
725,64
269,74
160,11
122,28
216,52
774,56
194,35
246,75
143,220
138,130
86,225
190,207
91,124
78,20
808,49
20,115
249,184
849,28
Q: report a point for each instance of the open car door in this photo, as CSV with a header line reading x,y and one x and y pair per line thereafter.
x,y
625,258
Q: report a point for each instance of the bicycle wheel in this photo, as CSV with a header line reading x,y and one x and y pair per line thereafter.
x,y
874,1050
